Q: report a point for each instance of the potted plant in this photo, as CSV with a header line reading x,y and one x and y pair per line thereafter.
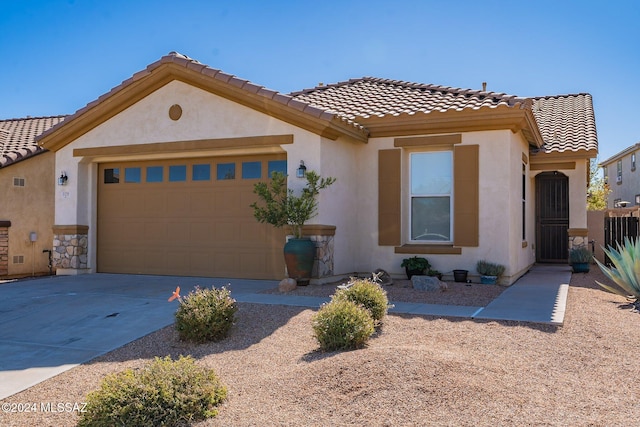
x,y
434,273
280,206
580,258
489,271
415,266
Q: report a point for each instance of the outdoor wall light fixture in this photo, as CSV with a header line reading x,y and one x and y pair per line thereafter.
x,y
302,170
62,180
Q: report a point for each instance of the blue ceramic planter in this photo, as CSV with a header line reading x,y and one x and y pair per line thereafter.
x,y
298,256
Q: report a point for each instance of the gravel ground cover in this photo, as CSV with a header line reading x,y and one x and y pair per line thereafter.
x,y
417,370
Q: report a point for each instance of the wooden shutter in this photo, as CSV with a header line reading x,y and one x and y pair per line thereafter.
x,y
389,191
466,203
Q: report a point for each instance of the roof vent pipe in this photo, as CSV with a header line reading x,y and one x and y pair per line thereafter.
x,y
484,86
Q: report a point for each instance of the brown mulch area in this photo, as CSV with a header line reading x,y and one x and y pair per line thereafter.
x,y
417,370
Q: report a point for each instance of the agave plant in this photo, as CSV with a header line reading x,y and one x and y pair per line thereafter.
x,y
625,271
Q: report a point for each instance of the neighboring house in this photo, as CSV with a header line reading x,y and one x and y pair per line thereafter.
x,y
161,172
624,180
26,197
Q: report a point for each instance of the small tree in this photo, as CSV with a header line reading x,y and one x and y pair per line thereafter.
x,y
280,206
598,189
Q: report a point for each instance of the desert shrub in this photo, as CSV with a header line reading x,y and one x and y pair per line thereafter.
x,y
164,393
342,325
625,271
487,268
205,314
368,294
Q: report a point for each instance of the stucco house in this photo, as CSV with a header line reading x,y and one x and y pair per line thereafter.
x,y
26,197
623,178
161,172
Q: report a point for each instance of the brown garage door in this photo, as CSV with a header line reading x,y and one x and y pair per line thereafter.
x,y
187,217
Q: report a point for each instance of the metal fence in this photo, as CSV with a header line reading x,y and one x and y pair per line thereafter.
x,y
617,228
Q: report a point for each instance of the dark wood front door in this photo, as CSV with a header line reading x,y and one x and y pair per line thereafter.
x,y
552,217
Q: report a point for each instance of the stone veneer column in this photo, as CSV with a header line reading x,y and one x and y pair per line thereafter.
x,y
322,236
70,249
578,238
4,247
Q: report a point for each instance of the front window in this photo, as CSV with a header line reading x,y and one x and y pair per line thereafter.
x,y
431,196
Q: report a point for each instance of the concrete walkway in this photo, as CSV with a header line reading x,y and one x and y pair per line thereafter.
x,y
52,324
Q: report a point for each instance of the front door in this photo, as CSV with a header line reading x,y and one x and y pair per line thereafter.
x,y
552,217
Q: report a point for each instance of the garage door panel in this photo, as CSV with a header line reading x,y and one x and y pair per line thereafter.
x,y
196,228
154,204
155,230
154,260
202,233
177,203
226,231
201,203
177,233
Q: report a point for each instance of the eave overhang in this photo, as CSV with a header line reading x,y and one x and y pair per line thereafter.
x,y
213,81
454,121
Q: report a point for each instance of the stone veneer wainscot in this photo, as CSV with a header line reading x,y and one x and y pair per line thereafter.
x,y
322,236
70,247
4,247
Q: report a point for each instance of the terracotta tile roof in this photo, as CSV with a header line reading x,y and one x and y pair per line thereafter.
x,y
374,97
566,122
18,137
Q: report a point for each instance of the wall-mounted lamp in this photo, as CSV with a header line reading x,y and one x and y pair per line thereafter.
x,y
62,180
33,236
302,170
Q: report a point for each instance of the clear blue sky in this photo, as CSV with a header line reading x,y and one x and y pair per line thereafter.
x,y
58,55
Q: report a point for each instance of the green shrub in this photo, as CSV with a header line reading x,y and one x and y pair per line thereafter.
x,y
205,315
580,255
164,393
368,294
342,325
486,268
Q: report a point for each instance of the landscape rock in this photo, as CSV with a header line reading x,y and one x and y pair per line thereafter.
x,y
428,283
287,285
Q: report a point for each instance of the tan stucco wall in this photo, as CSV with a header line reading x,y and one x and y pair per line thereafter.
x,y
500,208
595,223
30,209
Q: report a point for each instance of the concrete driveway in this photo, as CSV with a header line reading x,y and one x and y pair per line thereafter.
x,y
52,324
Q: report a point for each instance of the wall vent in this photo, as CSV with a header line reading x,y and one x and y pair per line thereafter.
x,y
18,259
18,182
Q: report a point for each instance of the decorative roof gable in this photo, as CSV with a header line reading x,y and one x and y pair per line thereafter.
x,y
176,66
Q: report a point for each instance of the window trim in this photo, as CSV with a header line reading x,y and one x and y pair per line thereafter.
x,y
410,196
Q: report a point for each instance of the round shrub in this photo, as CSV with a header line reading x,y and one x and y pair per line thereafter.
x,y
342,325
164,393
205,315
368,294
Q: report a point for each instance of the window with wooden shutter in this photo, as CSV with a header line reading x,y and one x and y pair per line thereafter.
x,y
389,201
